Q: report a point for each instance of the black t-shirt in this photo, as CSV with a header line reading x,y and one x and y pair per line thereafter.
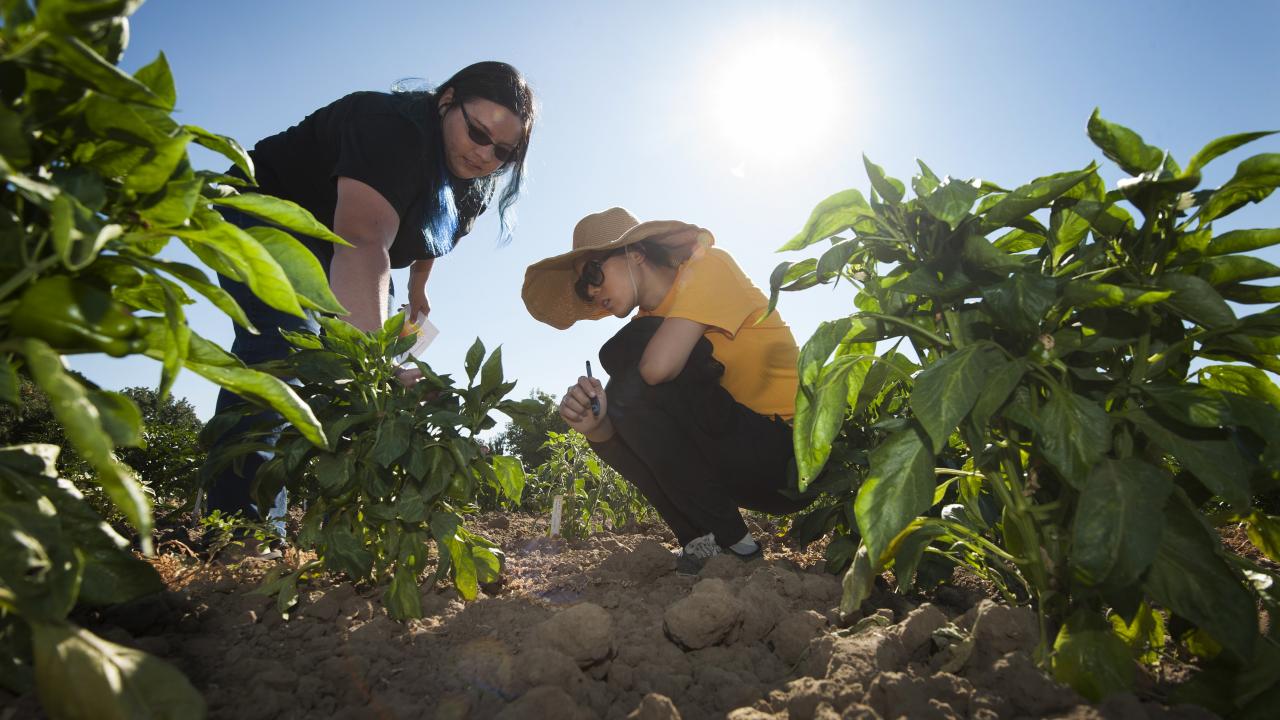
x,y
389,142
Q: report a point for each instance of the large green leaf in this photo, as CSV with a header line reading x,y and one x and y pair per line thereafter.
x,y
820,412
82,422
898,489
1254,180
1190,577
833,215
1091,657
78,62
223,145
1001,379
1123,146
403,598
392,440
303,268
1083,292
1021,301
946,391
198,281
1242,380
951,201
1037,194
252,264
510,475
1216,462
1116,535
267,389
80,675
1236,241
158,165
286,214
1221,146
1228,269
889,188
157,76
344,551
1195,299
1072,432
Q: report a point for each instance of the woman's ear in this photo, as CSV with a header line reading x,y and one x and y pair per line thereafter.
x,y
444,101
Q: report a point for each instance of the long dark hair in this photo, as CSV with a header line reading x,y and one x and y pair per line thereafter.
x,y
503,84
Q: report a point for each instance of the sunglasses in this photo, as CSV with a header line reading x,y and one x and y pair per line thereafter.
x,y
592,276
504,153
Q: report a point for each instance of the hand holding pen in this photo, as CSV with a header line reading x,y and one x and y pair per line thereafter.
x,y
585,406
595,401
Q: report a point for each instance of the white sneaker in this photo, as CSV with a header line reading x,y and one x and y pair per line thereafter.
x,y
691,557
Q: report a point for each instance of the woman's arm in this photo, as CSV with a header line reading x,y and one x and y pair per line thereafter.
x,y
668,350
419,271
360,275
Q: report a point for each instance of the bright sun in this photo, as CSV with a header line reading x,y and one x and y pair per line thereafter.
x,y
775,99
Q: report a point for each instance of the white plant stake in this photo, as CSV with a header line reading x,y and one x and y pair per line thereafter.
x,y
557,505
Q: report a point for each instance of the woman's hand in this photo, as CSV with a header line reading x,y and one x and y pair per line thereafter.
x,y
419,271
575,408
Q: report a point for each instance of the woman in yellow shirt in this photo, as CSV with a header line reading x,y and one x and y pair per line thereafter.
x,y
700,388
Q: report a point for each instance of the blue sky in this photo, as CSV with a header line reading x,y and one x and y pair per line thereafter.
x,y
737,116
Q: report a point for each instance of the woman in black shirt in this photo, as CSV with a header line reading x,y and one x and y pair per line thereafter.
x,y
399,176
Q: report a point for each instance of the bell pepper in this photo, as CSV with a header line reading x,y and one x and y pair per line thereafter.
x,y
74,317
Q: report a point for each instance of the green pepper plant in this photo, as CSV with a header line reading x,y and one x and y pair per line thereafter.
x,y
404,467
1097,363
594,495
95,181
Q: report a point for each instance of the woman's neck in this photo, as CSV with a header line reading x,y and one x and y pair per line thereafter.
x,y
653,283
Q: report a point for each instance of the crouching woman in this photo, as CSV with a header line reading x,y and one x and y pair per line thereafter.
x,y
700,387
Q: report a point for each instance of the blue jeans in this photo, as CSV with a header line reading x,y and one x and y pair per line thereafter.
x,y
231,491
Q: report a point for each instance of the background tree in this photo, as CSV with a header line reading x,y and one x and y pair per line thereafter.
x,y
526,442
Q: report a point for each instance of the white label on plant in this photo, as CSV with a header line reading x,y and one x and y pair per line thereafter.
x,y
557,505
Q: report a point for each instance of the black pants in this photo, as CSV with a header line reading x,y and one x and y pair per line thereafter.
x,y
696,453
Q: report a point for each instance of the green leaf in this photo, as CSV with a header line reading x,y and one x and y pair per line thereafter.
x,y
858,581
820,412
1089,656
1072,432
77,62
946,391
491,372
157,76
951,201
1241,380
403,598
223,145
120,417
83,424
1251,294
303,268
1254,180
897,490
1216,462
1237,241
510,475
1190,577
890,189
334,472
286,214
474,355
833,215
1123,146
344,551
158,165
247,261
198,281
1196,300
1115,534
1022,300
1235,268
269,390
1084,292
834,259
392,440
1264,533
173,204
1033,196
80,675
1221,146
1145,634
982,255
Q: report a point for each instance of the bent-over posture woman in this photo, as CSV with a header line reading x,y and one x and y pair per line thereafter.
x,y
700,387
399,176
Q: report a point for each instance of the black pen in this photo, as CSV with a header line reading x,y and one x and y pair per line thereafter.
x,y
595,401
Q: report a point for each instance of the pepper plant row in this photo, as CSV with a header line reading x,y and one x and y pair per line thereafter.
x,y
1089,396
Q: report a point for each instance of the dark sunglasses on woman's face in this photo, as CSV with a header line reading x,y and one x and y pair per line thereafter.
x,y
592,276
504,153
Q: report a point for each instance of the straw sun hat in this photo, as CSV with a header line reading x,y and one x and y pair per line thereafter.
x,y
548,284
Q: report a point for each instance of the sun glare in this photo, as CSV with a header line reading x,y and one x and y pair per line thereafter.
x,y
774,99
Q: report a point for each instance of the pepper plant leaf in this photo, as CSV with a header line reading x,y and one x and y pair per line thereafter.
x,y
899,488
